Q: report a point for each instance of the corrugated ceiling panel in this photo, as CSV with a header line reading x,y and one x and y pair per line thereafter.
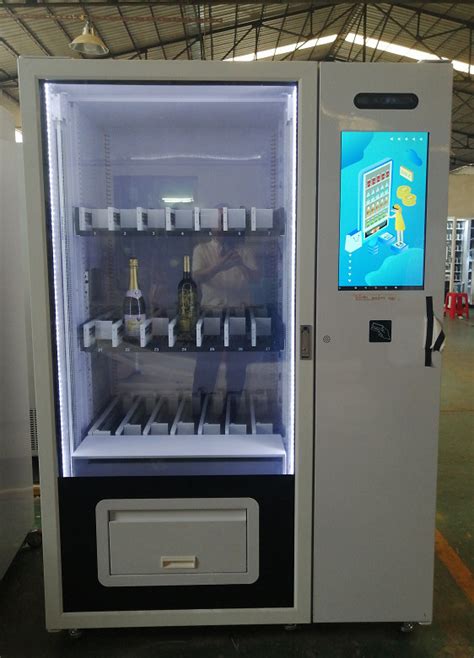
x,y
431,30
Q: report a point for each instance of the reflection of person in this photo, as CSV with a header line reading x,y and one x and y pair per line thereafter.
x,y
223,269
399,223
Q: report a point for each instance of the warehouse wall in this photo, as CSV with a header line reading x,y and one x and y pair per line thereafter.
x,y
12,107
461,196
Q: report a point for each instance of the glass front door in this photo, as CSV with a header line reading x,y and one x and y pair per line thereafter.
x,y
171,212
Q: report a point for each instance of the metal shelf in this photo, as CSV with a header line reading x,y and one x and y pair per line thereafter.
x,y
182,447
235,427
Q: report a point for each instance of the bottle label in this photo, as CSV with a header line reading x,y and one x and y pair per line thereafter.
x,y
132,324
187,309
135,293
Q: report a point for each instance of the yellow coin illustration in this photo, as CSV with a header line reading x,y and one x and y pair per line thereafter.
x,y
402,191
409,200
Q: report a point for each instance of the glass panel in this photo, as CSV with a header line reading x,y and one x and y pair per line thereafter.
x,y
172,222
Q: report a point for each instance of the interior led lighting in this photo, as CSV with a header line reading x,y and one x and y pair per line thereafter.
x,y
57,285
195,156
291,433
177,199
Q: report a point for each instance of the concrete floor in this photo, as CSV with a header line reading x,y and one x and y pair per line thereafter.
x,y
22,633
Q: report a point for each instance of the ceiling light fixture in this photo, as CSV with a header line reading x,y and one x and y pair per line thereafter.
x,y
88,43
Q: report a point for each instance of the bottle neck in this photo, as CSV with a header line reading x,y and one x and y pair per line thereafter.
x,y
186,268
133,282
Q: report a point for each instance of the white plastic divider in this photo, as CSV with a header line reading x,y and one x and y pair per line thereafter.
x,y
99,218
261,218
129,423
135,218
146,332
172,331
181,426
259,427
202,418
208,325
229,426
152,426
199,330
234,219
179,411
127,417
210,218
253,425
234,325
111,408
259,326
158,218
153,327
227,416
184,219
95,330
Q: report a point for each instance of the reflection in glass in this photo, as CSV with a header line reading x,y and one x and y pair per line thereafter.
x,y
161,176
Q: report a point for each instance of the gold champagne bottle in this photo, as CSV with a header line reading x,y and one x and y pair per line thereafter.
x,y
134,308
187,304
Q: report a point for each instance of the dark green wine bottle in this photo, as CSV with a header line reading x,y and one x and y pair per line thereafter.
x,y
187,305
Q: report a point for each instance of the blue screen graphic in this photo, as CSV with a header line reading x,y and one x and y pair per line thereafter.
x,y
382,210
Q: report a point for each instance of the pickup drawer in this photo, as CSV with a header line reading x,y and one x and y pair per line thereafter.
x,y
177,542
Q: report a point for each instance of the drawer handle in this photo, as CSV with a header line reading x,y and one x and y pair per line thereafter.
x,y
179,562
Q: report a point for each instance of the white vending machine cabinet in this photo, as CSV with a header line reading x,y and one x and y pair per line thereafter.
x,y
16,477
252,440
377,378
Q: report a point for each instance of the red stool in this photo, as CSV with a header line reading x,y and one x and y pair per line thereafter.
x,y
456,303
462,305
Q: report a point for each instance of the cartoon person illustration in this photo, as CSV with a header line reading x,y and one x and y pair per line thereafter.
x,y
399,223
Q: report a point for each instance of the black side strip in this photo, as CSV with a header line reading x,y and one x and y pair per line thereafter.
x,y
429,331
439,341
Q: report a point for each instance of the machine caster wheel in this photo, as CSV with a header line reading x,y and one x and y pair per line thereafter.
x,y
290,627
34,539
75,633
408,627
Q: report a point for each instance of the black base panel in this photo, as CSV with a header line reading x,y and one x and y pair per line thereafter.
x,y
82,591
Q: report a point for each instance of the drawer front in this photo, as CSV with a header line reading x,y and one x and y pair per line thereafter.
x,y
177,542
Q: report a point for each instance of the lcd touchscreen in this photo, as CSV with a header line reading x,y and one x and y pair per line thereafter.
x,y
382,210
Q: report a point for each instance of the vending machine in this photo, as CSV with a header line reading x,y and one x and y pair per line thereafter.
x,y
236,272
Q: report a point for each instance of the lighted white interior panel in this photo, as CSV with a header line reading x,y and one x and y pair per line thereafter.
x,y
180,466
16,496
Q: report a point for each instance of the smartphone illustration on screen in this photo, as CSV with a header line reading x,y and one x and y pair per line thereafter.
x,y
375,183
